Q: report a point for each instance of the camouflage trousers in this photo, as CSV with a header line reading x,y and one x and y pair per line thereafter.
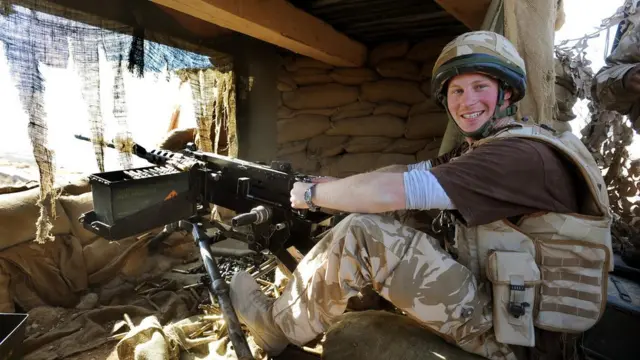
x,y
405,266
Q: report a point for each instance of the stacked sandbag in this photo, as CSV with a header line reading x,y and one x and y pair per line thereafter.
x,y
58,272
340,121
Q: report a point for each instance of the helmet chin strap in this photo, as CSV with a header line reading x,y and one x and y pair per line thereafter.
x,y
489,126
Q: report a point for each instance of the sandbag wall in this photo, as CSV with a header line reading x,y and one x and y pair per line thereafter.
x,y
341,121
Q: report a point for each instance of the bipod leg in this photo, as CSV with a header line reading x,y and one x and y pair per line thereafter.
x,y
154,244
219,288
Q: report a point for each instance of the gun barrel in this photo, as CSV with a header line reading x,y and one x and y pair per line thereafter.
x,y
84,138
154,157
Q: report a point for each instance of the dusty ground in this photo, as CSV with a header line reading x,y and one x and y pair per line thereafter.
x,y
18,172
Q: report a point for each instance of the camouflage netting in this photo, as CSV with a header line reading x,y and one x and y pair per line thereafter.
x,y
607,135
37,33
215,113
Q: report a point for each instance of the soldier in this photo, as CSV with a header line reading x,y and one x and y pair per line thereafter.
x,y
616,86
526,207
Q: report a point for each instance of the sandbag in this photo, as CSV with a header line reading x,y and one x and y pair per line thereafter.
x,y
427,70
425,87
428,49
74,207
399,68
402,91
392,108
320,96
101,252
52,272
348,164
326,145
382,335
423,126
292,147
6,296
75,186
285,82
351,164
300,162
394,159
18,216
363,144
433,143
430,151
357,109
311,76
295,129
353,76
300,62
283,87
406,146
286,113
18,187
426,154
424,107
375,125
390,50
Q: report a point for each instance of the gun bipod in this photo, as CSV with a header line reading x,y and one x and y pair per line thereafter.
x,y
217,286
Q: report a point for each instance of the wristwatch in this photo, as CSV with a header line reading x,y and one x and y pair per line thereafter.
x,y
308,196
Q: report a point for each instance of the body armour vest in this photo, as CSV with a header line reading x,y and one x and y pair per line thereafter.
x,y
548,270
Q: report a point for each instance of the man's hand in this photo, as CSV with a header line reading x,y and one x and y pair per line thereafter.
x,y
632,80
297,195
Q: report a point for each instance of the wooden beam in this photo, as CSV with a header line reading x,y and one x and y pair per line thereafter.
x,y
279,23
469,12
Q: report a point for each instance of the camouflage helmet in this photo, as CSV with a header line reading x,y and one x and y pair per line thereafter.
x,y
481,52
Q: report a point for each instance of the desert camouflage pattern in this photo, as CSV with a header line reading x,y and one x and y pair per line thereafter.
x,y
404,265
608,86
481,42
572,251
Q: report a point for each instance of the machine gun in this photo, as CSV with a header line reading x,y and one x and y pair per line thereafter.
x,y
178,191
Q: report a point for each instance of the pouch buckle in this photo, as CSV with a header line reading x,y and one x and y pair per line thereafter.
x,y
517,305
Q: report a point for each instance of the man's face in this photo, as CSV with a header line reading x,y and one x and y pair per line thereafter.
x,y
471,99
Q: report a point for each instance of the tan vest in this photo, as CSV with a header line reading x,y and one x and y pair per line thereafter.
x,y
549,270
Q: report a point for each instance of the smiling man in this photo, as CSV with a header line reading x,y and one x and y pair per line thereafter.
x,y
508,184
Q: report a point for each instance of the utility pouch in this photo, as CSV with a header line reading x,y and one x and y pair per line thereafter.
x,y
573,291
514,277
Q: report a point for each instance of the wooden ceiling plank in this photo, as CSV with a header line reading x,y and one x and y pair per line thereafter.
x,y
469,12
277,22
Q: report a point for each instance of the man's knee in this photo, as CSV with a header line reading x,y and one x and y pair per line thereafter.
x,y
376,235
364,227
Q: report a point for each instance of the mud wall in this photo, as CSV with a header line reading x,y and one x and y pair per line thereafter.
x,y
340,121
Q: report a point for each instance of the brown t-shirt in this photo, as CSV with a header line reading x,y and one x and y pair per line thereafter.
x,y
507,178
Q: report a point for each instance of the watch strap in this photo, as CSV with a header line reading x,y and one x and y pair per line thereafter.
x,y
308,196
